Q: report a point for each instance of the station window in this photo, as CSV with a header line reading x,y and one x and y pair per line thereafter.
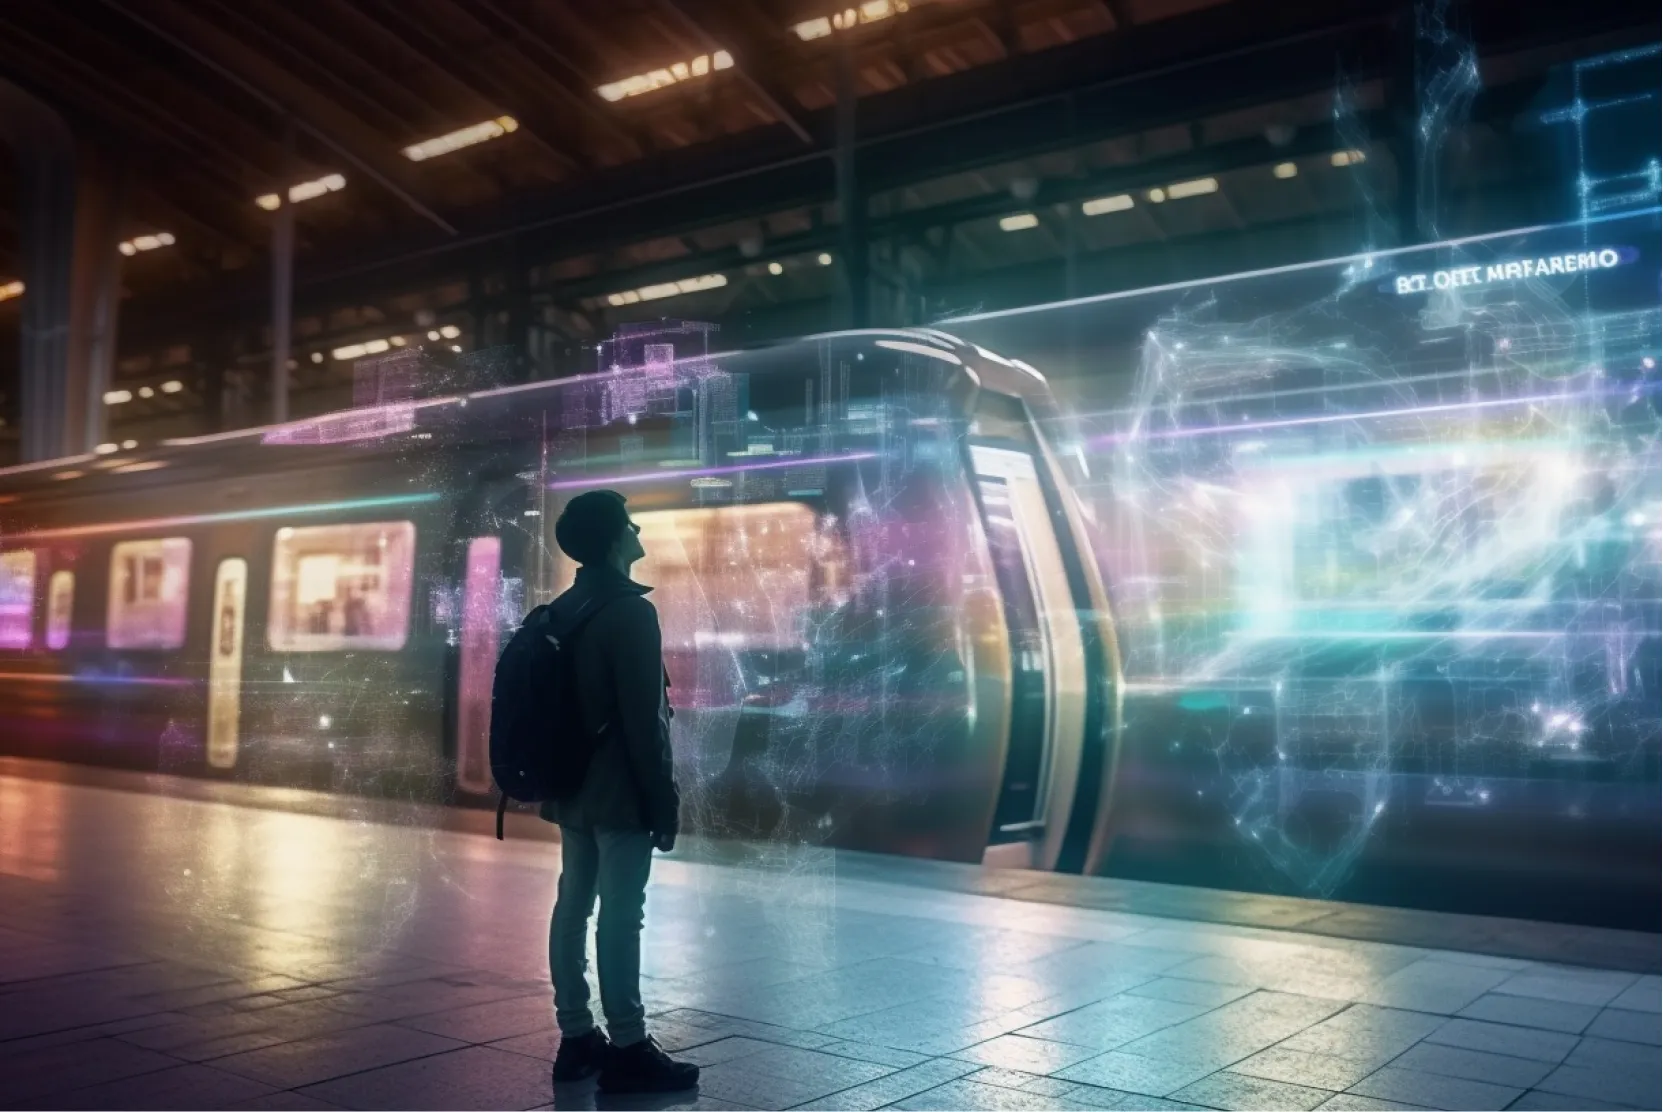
x,y
337,587
60,603
149,590
17,599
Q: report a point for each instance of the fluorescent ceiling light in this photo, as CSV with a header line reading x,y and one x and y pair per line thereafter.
x,y
663,78
1097,206
1345,158
147,392
117,397
305,191
1197,188
870,12
1018,222
661,290
146,243
823,259
775,268
106,448
1285,170
9,290
450,331
1157,195
462,137
172,386
368,347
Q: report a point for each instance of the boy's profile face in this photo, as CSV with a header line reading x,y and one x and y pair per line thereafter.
x,y
629,545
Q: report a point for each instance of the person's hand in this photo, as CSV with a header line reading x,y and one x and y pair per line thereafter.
x,y
664,841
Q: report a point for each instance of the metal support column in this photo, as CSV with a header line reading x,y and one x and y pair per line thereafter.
x,y
95,300
851,202
45,152
282,282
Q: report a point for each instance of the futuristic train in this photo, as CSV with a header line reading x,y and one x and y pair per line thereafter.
x,y
883,623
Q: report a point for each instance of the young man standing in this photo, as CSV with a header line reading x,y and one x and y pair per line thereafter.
x,y
628,805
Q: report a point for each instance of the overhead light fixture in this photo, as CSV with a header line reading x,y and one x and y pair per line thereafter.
x,y
663,78
1097,206
129,445
775,268
317,357
1156,195
1017,222
823,259
305,191
9,290
433,334
456,347
1346,158
1285,170
870,12
146,392
368,347
1198,187
667,289
450,331
117,397
172,386
106,449
462,137
133,246
139,465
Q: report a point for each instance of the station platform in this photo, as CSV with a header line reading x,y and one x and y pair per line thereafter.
x,y
172,943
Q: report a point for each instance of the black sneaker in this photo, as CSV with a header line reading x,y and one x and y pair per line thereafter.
x,y
580,1057
644,1068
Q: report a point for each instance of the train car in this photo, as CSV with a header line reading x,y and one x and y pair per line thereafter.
x,y
883,625
1382,534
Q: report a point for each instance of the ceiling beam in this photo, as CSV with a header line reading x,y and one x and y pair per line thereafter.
x,y
395,24
297,103
579,94
747,47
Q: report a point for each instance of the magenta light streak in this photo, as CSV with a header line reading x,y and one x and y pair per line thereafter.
x,y
1328,418
696,472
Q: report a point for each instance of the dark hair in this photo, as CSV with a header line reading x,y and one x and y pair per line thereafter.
x,y
590,525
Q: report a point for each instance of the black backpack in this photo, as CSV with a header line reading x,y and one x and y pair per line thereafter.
x,y
539,748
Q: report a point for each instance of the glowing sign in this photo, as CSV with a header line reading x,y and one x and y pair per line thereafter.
x,y
1511,270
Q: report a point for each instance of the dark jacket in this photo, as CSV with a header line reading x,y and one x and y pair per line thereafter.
x,y
621,681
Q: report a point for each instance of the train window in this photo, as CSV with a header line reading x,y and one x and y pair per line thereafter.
x,y
149,589
740,579
60,602
337,587
17,599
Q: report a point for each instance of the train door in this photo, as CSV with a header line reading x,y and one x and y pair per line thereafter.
x,y
477,664
1048,680
225,661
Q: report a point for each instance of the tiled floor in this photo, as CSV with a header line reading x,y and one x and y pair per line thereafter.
x,y
160,951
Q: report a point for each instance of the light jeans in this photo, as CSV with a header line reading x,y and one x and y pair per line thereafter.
x,y
614,865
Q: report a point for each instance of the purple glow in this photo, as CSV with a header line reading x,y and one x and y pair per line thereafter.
x,y
732,469
1329,418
